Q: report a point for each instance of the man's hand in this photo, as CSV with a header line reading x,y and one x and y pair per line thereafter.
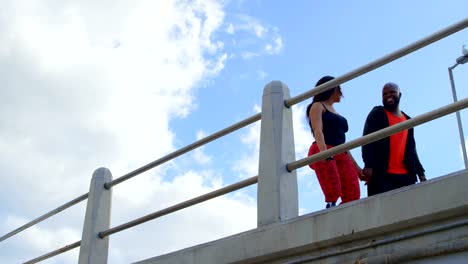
x,y
366,175
422,178
360,173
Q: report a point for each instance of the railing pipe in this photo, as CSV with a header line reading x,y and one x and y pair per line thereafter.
x,y
379,62
54,253
459,122
196,144
421,119
185,149
177,207
45,216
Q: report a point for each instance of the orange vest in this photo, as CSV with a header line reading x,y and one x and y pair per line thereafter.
x,y
397,146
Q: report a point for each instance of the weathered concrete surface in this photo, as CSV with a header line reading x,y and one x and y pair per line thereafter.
x,y
277,198
94,250
424,223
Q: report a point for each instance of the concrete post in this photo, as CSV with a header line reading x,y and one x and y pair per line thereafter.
x,y
94,250
277,188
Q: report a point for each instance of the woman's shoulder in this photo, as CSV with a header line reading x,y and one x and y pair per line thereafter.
x,y
318,105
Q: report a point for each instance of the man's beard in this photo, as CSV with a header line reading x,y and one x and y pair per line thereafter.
x,y
391,107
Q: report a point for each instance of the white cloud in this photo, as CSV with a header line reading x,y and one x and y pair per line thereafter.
x,y
251,24
198,153
201,223
201,134
302,135
260,30
302,140
247,165
230,28
88,84
255,37
39,240
261,75
249,55
275,47
216,66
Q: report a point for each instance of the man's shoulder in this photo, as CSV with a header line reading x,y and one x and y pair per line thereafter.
x,y
407,116
377,110
378,107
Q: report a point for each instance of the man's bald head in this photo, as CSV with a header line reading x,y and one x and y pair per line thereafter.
x,y
391,96
391,85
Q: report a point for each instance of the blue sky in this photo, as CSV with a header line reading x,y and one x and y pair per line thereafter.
x,y
119,85
331,38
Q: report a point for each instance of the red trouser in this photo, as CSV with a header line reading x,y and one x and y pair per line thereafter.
x,y
338,177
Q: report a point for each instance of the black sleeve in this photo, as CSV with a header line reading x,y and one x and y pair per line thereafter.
x,y
369,150
419,168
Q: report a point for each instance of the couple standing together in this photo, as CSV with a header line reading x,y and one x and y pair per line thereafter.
x,y
389,163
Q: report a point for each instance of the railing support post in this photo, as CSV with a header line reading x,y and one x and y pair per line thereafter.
x,y
277,188
94,250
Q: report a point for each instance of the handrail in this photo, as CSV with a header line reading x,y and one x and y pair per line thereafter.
x,y
186,149
54,253
421,119
168,210
182,205
45,216
140,170
379,62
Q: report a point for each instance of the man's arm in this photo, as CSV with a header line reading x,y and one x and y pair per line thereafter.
x,y
368,150
419,168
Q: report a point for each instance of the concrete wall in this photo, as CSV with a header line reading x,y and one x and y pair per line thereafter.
x,y
424,223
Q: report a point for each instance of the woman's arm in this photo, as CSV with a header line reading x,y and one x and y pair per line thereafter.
x,y
353,160
358,168
315,115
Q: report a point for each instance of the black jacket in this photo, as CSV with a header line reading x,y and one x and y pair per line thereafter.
x,y
376,154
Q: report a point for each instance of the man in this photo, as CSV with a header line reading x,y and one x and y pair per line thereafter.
x,y
392,162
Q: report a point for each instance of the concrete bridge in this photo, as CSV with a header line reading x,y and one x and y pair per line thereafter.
x,y
423,223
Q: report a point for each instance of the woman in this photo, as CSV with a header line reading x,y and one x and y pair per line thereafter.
x,y
337,175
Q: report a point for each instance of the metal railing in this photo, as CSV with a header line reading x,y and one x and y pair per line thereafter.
x,y
382,61
175,154
54,253
45,216
262,179
196,144
180,206
383,133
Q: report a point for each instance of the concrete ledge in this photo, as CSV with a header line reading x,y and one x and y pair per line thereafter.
x,y
436,202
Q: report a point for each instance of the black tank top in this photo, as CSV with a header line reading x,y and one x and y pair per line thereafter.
x,y
334,128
